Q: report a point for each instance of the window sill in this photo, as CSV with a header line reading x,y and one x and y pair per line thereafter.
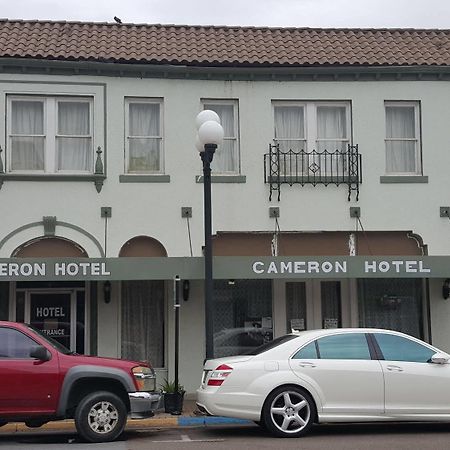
x,y
96,179
223,179
160,178
404,179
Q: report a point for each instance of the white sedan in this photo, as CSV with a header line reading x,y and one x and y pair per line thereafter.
x,y
339,375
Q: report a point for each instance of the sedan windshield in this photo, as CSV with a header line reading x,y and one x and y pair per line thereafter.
x,y
272,344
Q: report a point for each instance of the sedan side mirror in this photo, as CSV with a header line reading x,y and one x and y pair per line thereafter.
x,y
40,352
440,358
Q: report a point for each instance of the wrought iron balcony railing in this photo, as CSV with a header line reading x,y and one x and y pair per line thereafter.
x,y
313,168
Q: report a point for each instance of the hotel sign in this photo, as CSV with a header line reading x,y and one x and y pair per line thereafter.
x,y
54,269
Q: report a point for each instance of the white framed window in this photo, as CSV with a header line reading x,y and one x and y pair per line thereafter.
x,y
226,157
50,134
144,137
403,154
311,125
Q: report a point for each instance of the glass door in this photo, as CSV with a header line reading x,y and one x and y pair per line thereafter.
x,y
314,304
330,292
54,314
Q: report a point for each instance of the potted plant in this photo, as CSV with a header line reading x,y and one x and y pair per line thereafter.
x,y
173,397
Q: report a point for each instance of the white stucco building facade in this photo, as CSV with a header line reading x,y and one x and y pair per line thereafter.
x,y
123,198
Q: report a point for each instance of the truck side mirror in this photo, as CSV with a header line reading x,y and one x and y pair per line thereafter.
x,y
40,352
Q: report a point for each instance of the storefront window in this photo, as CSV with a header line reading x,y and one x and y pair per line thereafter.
x,y
4,300
20,306
242,315
143,321
394,304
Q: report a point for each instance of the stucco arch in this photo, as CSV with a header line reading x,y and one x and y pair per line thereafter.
x,y
142,246
63,230
49,247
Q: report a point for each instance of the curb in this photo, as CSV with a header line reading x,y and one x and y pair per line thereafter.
x,y
164,422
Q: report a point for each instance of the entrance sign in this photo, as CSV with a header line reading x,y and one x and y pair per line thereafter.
x,y
225,267
50,313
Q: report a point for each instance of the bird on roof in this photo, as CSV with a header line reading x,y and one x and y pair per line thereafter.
x,y
117,19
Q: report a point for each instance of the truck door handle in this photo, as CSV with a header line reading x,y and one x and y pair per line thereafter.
x,y
306,364
394,368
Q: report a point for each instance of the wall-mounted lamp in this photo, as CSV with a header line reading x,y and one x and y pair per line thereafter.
x,y
446,289
107,291
231,282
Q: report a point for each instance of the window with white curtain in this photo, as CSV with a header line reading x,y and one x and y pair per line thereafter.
x,y
402,138
143,122
142,321
50,134
226,157
311,126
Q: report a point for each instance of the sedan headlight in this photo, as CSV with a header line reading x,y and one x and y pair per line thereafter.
x,y
145,378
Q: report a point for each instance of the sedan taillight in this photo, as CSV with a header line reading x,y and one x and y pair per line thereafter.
x,y
219,375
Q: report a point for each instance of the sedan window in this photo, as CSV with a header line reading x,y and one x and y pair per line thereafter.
x,y
398,348
307,352
270,345
344,346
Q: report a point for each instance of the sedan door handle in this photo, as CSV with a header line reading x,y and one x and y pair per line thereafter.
x,y
306,364
394,368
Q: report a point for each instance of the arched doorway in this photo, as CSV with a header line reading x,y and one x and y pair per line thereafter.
x,y
142,307
59,310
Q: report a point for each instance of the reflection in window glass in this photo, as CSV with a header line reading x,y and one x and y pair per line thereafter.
x,y
392,304
242,316
397,348
344,346
307,352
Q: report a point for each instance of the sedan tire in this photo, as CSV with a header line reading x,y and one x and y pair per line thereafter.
x,y
289,411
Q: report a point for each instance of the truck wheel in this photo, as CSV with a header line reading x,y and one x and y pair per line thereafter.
x,y
100,417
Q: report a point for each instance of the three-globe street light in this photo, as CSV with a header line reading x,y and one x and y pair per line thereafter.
x,y
209,136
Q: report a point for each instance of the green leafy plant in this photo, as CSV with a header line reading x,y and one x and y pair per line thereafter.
x,y
169,387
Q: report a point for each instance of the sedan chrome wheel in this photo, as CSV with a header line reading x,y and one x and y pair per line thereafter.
x,y
289,411
103,417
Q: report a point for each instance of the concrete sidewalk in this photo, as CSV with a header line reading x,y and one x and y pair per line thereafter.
x,y
189,417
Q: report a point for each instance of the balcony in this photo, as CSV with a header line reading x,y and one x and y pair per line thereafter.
x,y
313,168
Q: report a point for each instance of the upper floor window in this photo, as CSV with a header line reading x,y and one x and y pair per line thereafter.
x,y
226,157
402,138
50,134
312,125
144,142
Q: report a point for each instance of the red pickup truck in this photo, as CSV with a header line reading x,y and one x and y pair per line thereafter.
x,y
41,381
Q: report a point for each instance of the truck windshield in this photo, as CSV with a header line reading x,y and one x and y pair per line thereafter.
x,y
55,344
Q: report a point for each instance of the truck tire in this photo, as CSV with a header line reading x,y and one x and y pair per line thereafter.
x,y
100,417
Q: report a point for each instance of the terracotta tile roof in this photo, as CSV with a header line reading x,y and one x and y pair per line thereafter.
x,y
222,46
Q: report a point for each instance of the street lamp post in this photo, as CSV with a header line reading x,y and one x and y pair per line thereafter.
x,y
210,135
